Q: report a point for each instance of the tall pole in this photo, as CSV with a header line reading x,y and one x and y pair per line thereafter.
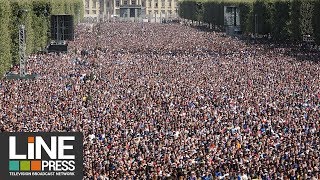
x,y
22,50
78,16
63,31
235,16
141,14
256,24
101,10
58,29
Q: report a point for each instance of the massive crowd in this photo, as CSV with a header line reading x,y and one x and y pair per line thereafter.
x,y
167,101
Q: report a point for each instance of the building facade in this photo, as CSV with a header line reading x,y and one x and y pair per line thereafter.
x,y
130,8
96,8
164,8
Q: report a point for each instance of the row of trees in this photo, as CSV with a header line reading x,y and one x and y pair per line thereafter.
x,y
35,15
283,19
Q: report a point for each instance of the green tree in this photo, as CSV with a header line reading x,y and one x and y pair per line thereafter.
x,y
281,20
5,40
316,21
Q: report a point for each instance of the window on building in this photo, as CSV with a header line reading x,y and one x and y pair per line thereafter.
x,y
94,4
133,2
87,3
150,2
108,4
125,2
143,3
169,3
94,12
87,11
117,3
163,3
156,4
101,4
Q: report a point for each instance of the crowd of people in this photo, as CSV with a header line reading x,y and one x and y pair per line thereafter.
x,y
167,101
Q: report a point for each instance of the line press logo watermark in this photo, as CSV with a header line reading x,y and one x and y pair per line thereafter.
x,y
39,155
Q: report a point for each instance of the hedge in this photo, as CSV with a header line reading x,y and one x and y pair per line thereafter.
x,y
5,40
316,21
35,15
284,20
